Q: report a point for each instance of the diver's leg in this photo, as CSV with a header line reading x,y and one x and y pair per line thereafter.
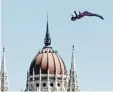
x,y
75,13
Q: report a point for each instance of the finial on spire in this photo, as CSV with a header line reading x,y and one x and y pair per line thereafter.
x,y
3,49
47,39
47,16
73,47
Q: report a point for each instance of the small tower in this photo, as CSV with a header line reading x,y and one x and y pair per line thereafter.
x,y
73,80
4,80
27,82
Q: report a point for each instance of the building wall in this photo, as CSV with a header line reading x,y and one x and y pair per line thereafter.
x,y
33,84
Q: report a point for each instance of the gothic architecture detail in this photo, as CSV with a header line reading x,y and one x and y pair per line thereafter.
x,y
73,79
3,77
48,73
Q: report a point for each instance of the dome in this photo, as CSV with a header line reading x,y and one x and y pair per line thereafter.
x,y
46,59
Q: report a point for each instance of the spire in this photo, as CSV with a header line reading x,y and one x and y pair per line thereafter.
x,y
47,39
4,80
3,66
73,81
73,60
27,84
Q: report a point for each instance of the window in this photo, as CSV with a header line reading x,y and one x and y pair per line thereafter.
x,y
31,79
44,84
36,78
58,84
44,78
31,86
51,84
37,84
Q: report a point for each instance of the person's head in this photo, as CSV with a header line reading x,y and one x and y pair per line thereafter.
x,y
73,18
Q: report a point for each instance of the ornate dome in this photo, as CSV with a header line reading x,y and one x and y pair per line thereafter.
x,y
46,59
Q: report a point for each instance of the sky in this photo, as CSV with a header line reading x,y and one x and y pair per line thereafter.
x,y
23,27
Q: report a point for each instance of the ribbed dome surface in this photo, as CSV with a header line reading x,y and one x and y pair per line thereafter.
x,y
46,59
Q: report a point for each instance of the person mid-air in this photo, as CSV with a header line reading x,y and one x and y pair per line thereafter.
x,y
85,13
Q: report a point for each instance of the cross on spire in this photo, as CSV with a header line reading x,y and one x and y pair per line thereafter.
x,y
73,47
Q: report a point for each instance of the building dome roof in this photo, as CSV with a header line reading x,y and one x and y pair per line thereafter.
x,y
46,59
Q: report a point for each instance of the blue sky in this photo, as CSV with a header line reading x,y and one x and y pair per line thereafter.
x,y
23,30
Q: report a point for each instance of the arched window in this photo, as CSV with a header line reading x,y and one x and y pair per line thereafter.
x,y
44,84
51,84
58,84
37,84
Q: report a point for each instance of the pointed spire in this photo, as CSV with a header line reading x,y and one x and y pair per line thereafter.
x,y
73,81
4,80
73,60
3,66
47,39
27,84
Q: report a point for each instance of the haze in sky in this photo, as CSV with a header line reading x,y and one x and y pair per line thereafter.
x,y
23,30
